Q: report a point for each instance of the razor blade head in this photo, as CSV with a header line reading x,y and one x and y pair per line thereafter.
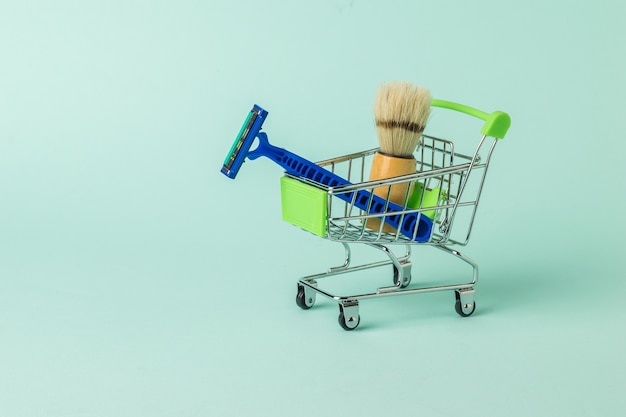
x,y
248,132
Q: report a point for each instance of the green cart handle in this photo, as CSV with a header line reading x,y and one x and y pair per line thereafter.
x,y
496,123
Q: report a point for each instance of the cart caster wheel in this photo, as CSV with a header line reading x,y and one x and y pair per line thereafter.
x,y
349,324
405,281
349,317
305,299
465,304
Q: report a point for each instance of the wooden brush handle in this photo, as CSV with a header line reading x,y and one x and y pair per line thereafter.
x,y
386,166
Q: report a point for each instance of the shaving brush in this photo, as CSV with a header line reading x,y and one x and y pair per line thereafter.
x,y
401,111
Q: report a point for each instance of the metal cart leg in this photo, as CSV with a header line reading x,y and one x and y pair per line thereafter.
x,y
346,262
464,295
401,268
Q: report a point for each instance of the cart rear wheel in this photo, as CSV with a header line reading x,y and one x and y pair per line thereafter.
x,y
302,300
405,281
464,309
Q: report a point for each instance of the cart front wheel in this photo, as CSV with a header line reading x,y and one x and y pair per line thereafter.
x,y
304,300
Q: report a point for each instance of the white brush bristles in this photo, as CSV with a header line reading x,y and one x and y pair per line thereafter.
x,y
401,111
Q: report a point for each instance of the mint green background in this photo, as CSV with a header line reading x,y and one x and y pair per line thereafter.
x,y
137,280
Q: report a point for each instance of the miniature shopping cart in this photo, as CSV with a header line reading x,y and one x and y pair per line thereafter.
x,y
334,200
444,193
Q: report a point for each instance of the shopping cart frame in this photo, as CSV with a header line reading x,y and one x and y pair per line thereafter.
x,y
438,162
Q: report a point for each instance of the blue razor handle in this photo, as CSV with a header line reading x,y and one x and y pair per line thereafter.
x,y
297,166
300,167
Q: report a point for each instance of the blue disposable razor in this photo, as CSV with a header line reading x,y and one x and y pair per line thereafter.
x,y
416,226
